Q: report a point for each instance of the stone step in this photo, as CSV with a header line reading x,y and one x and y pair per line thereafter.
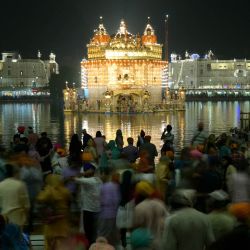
x,y
37,242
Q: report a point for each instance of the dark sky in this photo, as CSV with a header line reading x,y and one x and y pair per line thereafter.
x,y
65,27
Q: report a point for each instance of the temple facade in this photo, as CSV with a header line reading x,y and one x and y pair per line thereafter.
x,y
123,72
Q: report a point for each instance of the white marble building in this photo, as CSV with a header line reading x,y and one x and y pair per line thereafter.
x,y
24,77
194,72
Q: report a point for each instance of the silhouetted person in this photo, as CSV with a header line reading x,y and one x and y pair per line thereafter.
x,y
44,147
168,139
85,138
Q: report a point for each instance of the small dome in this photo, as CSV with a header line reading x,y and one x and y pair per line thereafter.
x,y
149,36
101,37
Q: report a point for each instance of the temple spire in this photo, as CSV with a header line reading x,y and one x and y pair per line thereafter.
x,y
101,30
149,29
123,27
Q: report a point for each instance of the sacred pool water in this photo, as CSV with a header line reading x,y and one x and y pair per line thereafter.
x,y
218,117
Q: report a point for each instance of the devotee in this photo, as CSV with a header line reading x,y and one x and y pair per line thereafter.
x,y
186,228
126,191
200,136
113,151
211,144
228,169
68,173
32,136
164,176
56,199
90,148
221,220
150,148
31,175
85,138
222,142
239,237
20,144
75,148
21,130
44,147
100,143
140,139
119,139
14,197
11,236
150,214
239,183
168,139
110,199
90,191
130,151
141,239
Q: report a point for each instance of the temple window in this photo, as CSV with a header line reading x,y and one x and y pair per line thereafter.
x,y
126,76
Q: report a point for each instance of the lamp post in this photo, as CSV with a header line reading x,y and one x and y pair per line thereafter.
x,y
166,37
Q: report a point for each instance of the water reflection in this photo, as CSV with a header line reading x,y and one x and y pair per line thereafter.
x,y
217,117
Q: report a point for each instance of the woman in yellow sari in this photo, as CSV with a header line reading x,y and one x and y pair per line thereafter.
x,y
56,198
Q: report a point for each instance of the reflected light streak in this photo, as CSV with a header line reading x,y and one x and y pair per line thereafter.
x,y
217,118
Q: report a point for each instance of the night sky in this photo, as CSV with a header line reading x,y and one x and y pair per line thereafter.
x,y
65,27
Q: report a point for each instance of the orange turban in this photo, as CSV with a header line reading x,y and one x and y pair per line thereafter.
x,y
240,210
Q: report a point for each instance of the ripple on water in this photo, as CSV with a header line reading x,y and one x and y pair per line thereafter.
x,y
218,117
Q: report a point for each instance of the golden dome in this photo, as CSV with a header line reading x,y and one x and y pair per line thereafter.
x,y
149,36
123,39
101,37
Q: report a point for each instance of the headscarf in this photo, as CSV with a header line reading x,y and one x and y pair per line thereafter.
x,y
54,180
141,237
144,188
111,144
240,210
196,154
61,152
118,132
114,150
183,197
21,129
91,142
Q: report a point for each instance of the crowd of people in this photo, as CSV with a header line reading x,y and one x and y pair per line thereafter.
x,y
100,194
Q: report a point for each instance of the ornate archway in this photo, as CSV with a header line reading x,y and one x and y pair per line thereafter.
x,y
127,101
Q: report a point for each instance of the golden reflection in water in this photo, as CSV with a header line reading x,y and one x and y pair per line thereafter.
x,y
131,125
218,117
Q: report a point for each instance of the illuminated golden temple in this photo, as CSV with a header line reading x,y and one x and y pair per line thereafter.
x,y
123,72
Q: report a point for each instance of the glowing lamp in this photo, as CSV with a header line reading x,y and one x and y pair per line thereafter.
x,y
108,94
